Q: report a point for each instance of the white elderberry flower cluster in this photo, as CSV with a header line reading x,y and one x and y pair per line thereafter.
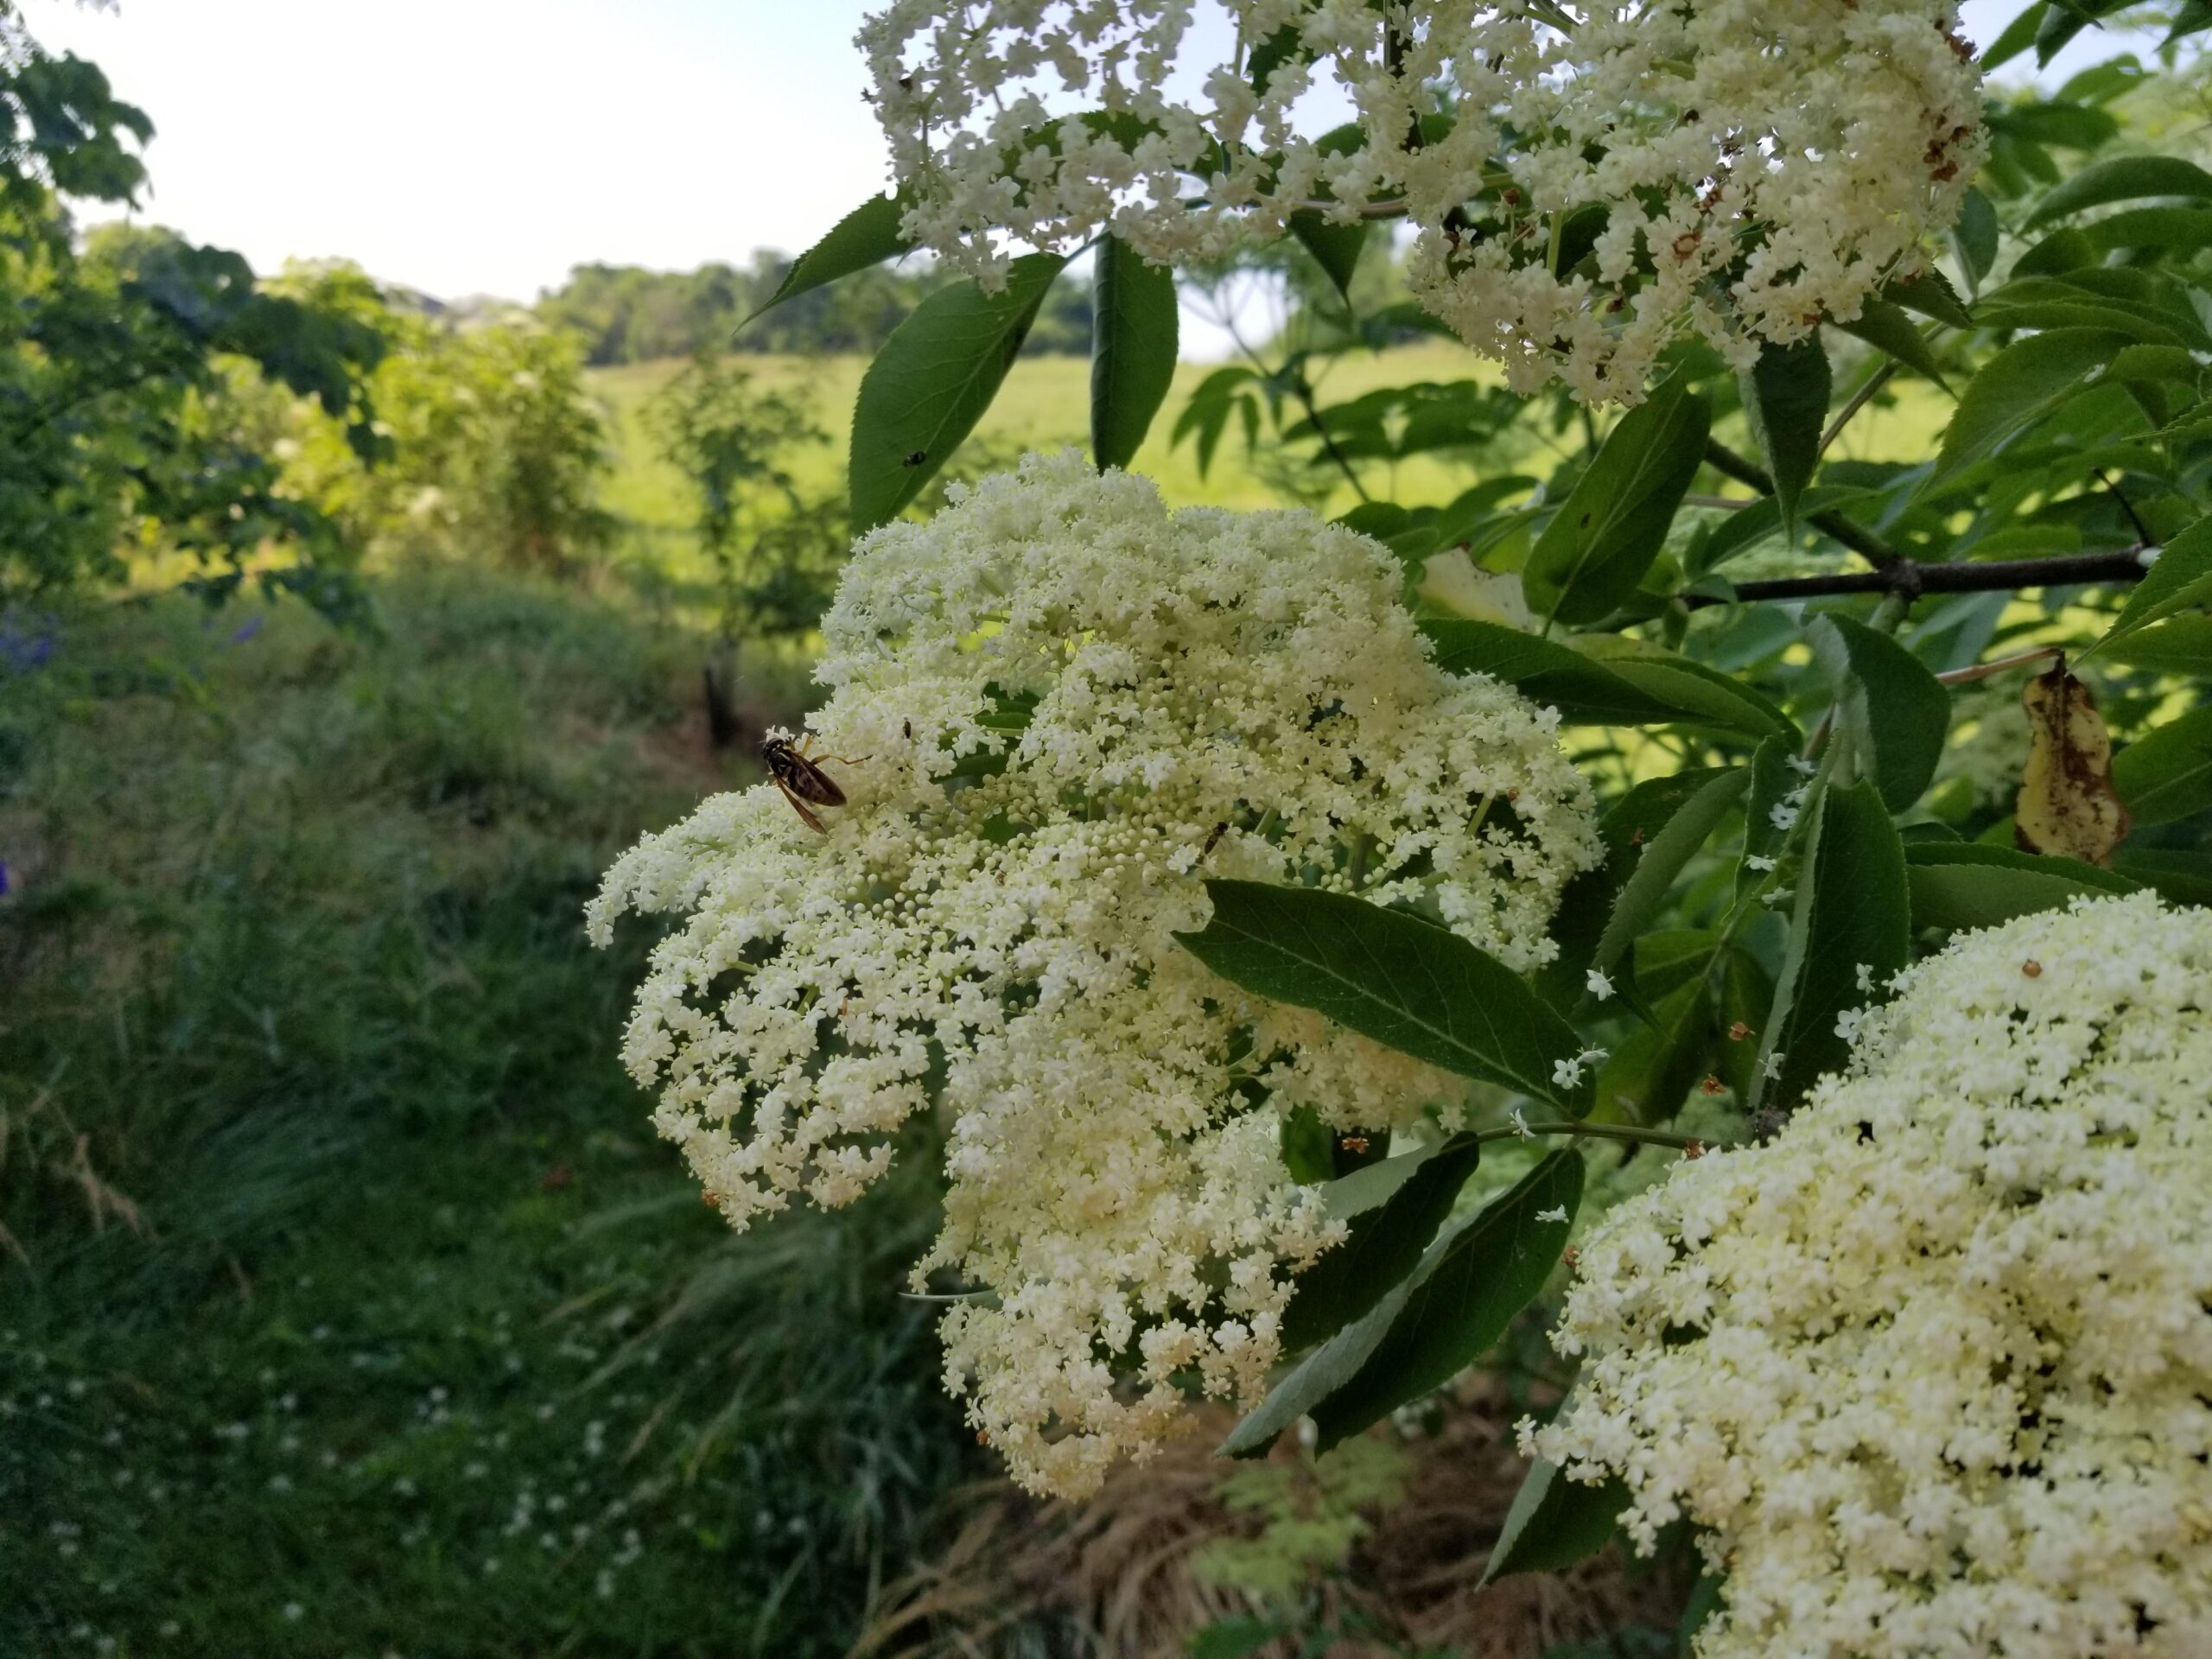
x,y
1928,1371
1063,707
1584,192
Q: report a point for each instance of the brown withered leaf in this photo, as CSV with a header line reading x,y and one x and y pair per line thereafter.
x,y
2067,807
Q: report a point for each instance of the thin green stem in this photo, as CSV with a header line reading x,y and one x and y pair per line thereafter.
x,y
1860,399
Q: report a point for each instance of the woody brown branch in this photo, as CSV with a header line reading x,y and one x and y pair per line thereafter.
x,y
1910,579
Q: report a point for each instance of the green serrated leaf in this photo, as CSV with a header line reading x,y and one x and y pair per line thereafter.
x,y
1135,323
2017,387
1889,331
932,381
1585,692
1706,697
867,236
1405,983
2122,178
1386,1244
1553,1523
2180,645
1896,712
1786,395
1336,248
2180,878
2166,773
1974,237
1467,1290
1595,551
1958,885
1662,857
2180,581
1850,930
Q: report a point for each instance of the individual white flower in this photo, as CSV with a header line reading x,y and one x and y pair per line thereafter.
x,y
1557,1213
1064,707
1597,985
1928,1371
1584,193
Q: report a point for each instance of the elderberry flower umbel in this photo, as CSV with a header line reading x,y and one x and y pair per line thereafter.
x,y
1929,1371
1064,706
1584,190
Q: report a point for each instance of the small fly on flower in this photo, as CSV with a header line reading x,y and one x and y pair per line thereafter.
x,y
805,785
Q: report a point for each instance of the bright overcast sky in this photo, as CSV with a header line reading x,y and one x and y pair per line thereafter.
x,y
486,146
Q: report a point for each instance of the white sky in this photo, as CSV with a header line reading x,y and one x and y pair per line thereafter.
x,y
486,146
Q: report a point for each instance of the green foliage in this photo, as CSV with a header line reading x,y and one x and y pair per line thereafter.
x,y
488,438
1554,1522
1466,1288
1132,351
115,433
932,381
1396,977
347,1300
776,548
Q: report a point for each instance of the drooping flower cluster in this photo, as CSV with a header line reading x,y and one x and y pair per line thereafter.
x,y
1930,1369
1064,706
1584,192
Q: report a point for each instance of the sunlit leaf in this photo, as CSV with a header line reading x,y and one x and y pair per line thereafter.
x,y
2180,581
932,381
1385,1244
1407,983
1597,548
868,236
1133,328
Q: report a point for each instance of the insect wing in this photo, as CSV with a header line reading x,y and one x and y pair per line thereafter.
x,y
806,813
801,778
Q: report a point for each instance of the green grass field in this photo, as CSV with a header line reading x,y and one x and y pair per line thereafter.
x,y
1045,405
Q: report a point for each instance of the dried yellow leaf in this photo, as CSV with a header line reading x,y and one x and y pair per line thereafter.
x,y
2067,806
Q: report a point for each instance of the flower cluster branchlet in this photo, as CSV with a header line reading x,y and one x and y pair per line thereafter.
x,y
1064,707
1583,192
1928,1371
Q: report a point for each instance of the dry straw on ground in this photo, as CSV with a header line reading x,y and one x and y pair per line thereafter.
x,y
1113,1578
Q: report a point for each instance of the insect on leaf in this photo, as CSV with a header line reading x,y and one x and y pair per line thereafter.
x,y
2068,805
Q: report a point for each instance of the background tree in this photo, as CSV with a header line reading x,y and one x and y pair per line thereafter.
x,y
775,547
111,372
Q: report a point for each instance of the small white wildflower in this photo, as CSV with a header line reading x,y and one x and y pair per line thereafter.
x,y
1597,985
1864,975
1782,814
1135,679
1802,766
1926,1371
1772,1067
1759,861
1518,1121
1747,167
1557,1213
1774,896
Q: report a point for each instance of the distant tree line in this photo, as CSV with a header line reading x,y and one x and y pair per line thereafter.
x,y
628,314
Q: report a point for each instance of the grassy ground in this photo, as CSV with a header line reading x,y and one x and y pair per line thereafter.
x,y
349,1305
